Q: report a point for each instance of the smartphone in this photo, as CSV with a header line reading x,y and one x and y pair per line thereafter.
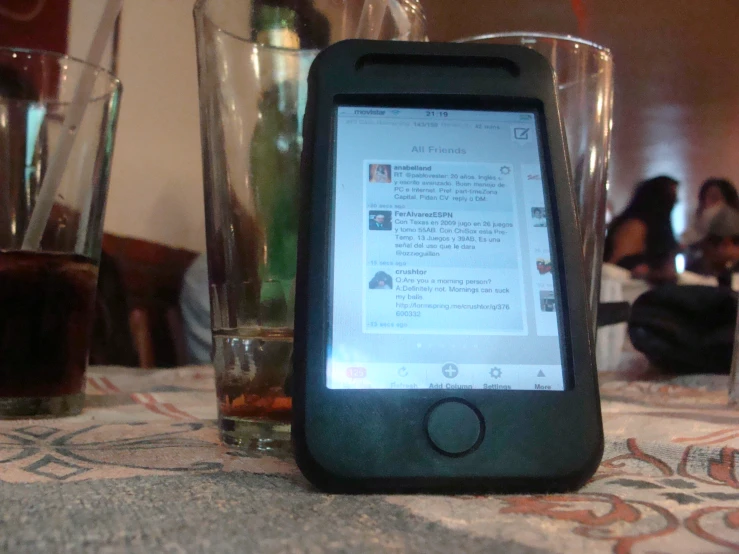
x,y
442,338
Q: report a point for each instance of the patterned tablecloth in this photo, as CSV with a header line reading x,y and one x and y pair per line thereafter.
x,y
142,470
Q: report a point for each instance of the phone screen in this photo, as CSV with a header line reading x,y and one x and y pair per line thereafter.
x,y
442,259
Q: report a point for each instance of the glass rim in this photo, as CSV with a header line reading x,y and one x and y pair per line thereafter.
x,y
538,34
114,83
200,10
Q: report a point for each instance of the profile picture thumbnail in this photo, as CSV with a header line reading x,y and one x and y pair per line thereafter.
x,y
539,215
381,280
380,173
543,266
379,220
546,298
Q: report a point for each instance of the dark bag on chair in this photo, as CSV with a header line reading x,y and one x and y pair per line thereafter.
x,y
685,329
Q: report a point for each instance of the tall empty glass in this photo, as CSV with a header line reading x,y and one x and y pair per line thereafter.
x,y
585,77
47,291
253,61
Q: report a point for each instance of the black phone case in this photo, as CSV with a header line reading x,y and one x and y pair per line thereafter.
x,y
375,440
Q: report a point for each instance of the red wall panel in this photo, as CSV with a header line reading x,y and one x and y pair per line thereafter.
x,y
39,24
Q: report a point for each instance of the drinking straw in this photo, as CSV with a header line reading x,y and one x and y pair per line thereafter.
x,y
58,161
370,20
401,19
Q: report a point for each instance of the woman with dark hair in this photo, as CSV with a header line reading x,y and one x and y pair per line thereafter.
x,y
716,191
641,239
713,194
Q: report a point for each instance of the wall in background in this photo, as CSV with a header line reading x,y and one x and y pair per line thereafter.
x,y
156,183
40,24
676,72
83,16
677,96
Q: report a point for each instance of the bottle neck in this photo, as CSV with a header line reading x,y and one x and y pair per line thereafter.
x,y
276,26
290,24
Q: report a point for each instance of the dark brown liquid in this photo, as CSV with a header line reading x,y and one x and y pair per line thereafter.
x,y
46,310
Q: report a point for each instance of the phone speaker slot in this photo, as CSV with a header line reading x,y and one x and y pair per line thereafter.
x,y
410,64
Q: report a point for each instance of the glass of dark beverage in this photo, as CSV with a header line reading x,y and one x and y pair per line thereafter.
x,y
253,62
47,284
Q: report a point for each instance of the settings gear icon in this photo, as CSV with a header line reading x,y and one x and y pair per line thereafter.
x,y
496,372
505,170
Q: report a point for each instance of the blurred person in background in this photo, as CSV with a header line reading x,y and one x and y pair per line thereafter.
x,y
640,239
713,195
720,245
195,307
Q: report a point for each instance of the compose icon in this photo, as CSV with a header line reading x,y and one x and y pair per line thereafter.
x,y
522,134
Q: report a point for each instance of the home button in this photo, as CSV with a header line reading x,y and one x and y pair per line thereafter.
x,y
454,427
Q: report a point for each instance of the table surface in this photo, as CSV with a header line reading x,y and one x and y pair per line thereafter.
x,y
142,470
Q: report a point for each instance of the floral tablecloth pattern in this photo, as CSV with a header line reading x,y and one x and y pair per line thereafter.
x,y
668,481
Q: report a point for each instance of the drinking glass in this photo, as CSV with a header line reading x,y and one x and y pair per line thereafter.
x,y
253,61
47,291
734,371
585,79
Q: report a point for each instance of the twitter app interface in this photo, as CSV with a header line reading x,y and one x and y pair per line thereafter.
x,y
442,268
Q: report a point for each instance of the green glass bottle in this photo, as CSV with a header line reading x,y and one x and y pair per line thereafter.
x,y
275,157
